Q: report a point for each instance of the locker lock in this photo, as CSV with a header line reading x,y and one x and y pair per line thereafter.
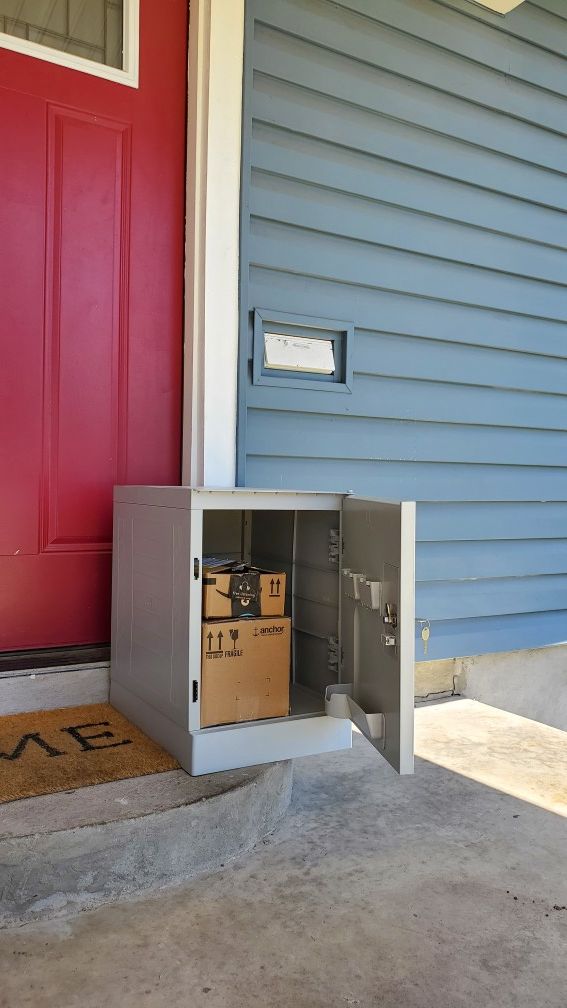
x,y
388,640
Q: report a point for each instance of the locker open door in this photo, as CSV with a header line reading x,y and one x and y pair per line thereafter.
x,y
377,626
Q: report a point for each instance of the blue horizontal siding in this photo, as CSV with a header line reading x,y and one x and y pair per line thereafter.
x,y
405,168
487,44
336,76
308,112
399,440
307,205
299,250
396,312
328,164
407,480
491,597
437,401
407,357
453,638
393,42
459,521
450,561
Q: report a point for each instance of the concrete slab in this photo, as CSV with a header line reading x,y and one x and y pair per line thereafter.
x,y
432,891
82,848
530,683
497,748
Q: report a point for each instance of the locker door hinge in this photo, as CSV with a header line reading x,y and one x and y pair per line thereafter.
x,y
333,656
334,547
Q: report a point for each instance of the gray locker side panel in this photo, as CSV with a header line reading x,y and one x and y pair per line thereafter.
x,y
150,602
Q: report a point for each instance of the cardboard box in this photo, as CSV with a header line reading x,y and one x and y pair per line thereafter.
x,y
237,590
245,670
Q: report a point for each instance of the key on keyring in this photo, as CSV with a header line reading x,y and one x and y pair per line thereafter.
x,y
425,633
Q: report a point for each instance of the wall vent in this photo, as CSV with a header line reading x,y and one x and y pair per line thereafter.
x,y
499,6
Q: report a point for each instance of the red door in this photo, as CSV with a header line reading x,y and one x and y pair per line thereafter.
x,y
92,177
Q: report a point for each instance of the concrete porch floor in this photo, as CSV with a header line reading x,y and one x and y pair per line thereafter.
x,y
436,891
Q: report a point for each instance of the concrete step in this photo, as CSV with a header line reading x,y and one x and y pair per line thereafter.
x,y
37,688
76,850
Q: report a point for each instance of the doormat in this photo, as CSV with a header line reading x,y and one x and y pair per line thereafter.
x,y
42,752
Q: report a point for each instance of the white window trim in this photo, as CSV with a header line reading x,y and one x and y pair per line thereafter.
x,y
131,44
214,114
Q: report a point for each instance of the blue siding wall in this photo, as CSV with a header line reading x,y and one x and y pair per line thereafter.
x,y
404,168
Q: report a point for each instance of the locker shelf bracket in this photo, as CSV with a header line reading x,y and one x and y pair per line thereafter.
x,y
340,704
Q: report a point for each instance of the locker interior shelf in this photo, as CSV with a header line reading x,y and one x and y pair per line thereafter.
x,y
304,701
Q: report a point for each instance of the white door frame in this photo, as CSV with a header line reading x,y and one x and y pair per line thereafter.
x,y
216,53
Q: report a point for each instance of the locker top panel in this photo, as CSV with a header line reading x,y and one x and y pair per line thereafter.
x,y
223,498
239,498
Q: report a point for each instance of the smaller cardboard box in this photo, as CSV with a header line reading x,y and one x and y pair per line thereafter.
x,y
239,590
245,669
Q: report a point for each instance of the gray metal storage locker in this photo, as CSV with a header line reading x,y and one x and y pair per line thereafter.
x,y
350,565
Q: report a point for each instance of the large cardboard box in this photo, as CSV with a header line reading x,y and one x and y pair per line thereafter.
x,y
245,670
238,590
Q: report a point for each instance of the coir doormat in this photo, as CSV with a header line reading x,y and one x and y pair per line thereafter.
x,y
58,750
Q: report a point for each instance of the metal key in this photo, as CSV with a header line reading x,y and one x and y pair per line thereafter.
x,y
425,634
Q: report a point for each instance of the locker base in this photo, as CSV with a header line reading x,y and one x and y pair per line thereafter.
x,y
232,746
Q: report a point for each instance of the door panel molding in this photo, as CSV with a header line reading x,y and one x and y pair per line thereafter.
x,y
86,285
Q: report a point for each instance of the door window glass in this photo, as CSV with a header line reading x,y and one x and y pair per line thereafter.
x,y
90,29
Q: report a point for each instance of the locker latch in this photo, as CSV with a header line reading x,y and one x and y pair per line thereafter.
x,y
391,616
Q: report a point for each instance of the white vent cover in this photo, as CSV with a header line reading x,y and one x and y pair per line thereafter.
x,y
499,6
298,353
